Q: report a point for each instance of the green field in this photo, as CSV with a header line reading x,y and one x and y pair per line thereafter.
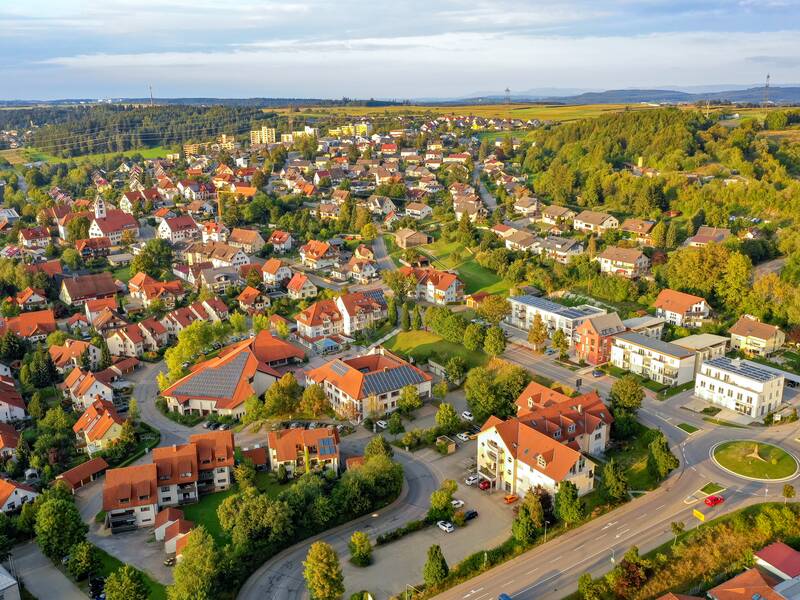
x,y
123,273
772,462
24,155
475,277
423,344
205,513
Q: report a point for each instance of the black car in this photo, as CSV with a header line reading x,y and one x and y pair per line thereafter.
x,y
470,514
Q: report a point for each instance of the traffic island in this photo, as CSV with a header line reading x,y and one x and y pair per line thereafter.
x,y
756,461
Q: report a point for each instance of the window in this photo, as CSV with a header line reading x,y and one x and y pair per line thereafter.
x,y
167,499
144,509
541,461
165,488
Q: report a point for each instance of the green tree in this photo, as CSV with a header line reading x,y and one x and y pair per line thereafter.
x,y
436,569
455,369
447,418
83,560
529,519
360,549
671,236
283,396
569,508
627,393
133,410
314,401
678,528
473,336
35,406
658,235
391,309
537,335
405,322
71,258
495,342
440,390
441,508
416,319
195,576
245,474
395,424
494,309
126,583
590,589
105,354
660,460
378,446
238,322
736,281
58,527
409,399
154,258
322,573
788,492
614,481
560,343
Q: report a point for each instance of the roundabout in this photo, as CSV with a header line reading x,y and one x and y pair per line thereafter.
x,y
754,460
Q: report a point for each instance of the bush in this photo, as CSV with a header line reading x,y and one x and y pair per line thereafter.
x,y
396,534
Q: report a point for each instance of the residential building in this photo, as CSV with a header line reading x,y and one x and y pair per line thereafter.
x,y
130,497
740,386
369,384
13,495
780,560
681,309
93,248
626,262
33,326
34,237
707,235
595,222
300,286
71,355
638,229
248,240
30,299
148,290
556,215
660,361
555,316
705,345
9,440
558,249
317,255
99,427
78,289
516,458
526,206
84,387
434,286
12,405
252,300
752,584
408,238
303,450
275,273
178,229
418,211
265,135
348,314
135,339
281,241
112,223
219,254
751,336
648,326
594,336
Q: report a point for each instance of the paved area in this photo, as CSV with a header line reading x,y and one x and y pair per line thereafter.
x,y
138,548
41,577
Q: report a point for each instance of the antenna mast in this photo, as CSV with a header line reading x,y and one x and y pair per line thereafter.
x,y
766,91
508,96
151,94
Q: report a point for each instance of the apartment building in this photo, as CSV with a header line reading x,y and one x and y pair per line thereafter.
x,y
660,361
740,386
594,335
555,316
625,262
299,450
705,346
682,309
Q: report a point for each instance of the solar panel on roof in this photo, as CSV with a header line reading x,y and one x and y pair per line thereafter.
x,y
393,379
217,382
340,368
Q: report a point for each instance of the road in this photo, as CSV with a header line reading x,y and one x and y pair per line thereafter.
x,y
551,571
771,266
281,578
385,263
488,199
40,576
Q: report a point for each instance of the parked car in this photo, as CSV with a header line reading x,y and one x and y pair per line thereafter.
x,y
169,562
445,526
597,373
550,351
295,425
484,485
466,415
470,514
457,503
471,479
381,424
206,425
464,437
504,597
224,427
510,498
714,500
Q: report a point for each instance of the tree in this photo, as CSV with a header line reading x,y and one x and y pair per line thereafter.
x,y
126,583
436,569
260,323
560,343
447,418
378,446
671,237
529,519
409,399
416,319
494,309
614,481
105,354
569,508
405,322
245,474
660,460
401,284
283,396
677,529
736,281
788,492
659,235
195,577
440,390
441,502
395,425
360,549
71,258
83,560
35,408
133,410
537,335
391,310
369,232
627,393
590,589
473,336
455,369
238,322
314,401
58,527
154,258
631,574
495,342
322,572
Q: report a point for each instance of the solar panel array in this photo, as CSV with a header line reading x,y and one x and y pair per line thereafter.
x,y
340,368
381,382
559,309
220,382
376,295
327,446
741,368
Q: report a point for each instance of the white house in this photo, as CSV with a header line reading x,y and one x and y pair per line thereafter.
x,y
555,316
178,229
739,385
660,361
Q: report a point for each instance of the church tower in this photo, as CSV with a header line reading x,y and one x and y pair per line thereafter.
x,y
99,207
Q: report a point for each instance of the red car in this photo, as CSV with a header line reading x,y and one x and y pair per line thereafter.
x,y
484,484
714,500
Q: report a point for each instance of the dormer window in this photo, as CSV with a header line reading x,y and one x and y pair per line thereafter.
x,y
571,428
541,461
557,433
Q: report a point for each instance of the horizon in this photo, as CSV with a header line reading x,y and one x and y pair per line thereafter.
x,y
307,49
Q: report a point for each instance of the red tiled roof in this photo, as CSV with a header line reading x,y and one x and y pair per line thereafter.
x,y
676,302
75,475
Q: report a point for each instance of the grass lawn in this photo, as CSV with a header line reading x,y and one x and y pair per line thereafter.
x,y
123,273
423,344
441,253
711,488
478,279
723,423
267,482
772,462
109,564
205,512
393,250
632,456
33,155
688,428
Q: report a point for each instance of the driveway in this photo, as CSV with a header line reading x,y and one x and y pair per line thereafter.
x,y
138,548
41,577
382,255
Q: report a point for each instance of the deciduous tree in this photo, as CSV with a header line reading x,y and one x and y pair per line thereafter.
x,y
322,572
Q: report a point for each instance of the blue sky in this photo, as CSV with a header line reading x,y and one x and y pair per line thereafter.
x,y
387,49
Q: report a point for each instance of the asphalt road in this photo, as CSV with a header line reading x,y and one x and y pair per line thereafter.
x,y
281,578
488,199
381,255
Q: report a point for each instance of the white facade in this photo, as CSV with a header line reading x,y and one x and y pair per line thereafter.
x,y
555,316
739,386
660,361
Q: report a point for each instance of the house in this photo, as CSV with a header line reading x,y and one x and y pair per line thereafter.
x,y
638,229
78,289
300,286
555,316
434,286
219,254
12,405
281,241
93,248
752,584
304,450
130,497
221,385
648,326
626,262
780,560
71,355
248,240
739,385
705,346
13,495
594,337
369,384
662,362
84,387
33,326
356,269
99,427
526,206
556,215
165,518
516,458
220,279
275,273
76,477
595,222
148,290
707,235
134,340
418,211
681,309
751,336
348,314
558,249
9,440
317,255
408,238
380,205
178,229
212,310
520,241
212,231
31,299
34,237
112,223
252,300
582,422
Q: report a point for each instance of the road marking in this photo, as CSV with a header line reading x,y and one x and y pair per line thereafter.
x,y
509,582
662,506
641,516
556,558
532,571
607,525
621,532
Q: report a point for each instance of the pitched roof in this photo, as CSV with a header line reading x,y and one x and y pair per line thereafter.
x,y
116,220
297,282
175,464
7,487
749,327
214,449
745,586
626,255
287,442
315,248
782,557
9,437
75,475
249,295
245,236
29,324
605,325
319,312
548,411
441,280
167,515
99,417
677,302
272,265
81,287
592,217
135,484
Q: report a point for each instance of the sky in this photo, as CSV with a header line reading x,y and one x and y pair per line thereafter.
x,y
398,49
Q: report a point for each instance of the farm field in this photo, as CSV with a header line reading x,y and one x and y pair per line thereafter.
x,y
20,156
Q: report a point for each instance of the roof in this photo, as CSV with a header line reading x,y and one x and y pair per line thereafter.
x,y
287,442
357,303
178,527
9,437
175,464
441,280
297,282
245,236
180,223
74,476
676,302
626,255
167,515
81,287
214,449
116,220
749,327
548,411
782,557
257,455
707,234
656,345
593,217
568,312
29,324
605,325
272,265
746,586
249,295
71,350
136,484
700,341
315,248
97,420
7,487
319,312
742,368
638,226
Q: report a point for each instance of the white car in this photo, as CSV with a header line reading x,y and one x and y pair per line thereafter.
x,y
445,526
464,436
466,415
457,503
381,424
472,479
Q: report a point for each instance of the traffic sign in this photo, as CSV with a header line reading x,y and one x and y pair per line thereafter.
x,y
698,515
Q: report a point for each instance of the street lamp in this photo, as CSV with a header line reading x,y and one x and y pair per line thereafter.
x,y
546,523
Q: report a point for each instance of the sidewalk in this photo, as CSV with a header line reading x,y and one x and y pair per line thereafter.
x,y
41,577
